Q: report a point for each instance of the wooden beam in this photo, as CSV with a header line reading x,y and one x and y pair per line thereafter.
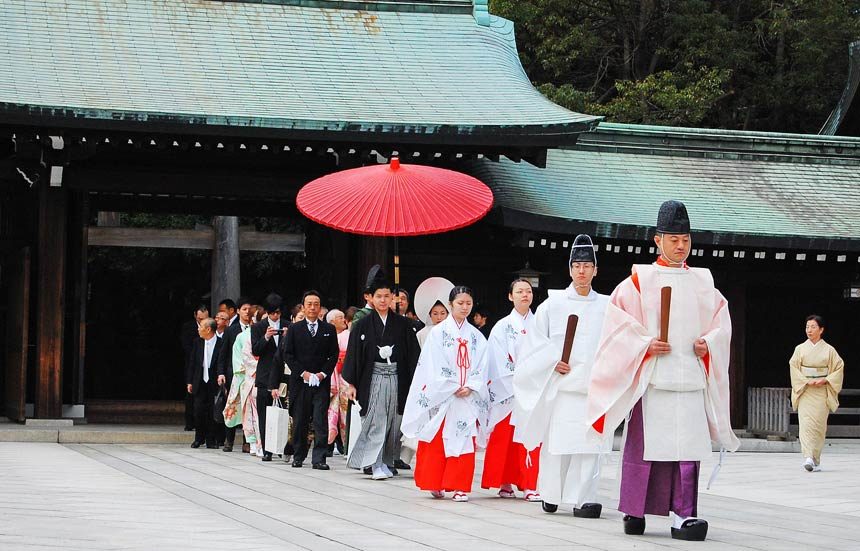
x,y
192,239
51,304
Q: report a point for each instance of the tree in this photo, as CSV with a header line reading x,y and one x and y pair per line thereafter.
x,y
756,64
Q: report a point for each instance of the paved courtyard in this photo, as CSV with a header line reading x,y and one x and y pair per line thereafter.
x,y
98,496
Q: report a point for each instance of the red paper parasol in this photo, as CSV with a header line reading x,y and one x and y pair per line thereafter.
x,y
395,200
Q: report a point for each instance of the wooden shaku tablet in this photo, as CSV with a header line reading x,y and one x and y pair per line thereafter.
x,y
572,320
665,305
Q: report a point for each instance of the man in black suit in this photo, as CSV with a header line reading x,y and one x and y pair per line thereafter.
x,y
225,359
229,307
201,379
311,351
187,336
265,337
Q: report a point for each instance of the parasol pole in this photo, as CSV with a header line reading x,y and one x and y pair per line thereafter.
x,y
395,165
397,272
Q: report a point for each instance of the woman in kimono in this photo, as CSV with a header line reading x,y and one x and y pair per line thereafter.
x,y
339,402
241,405
816,379
447,400
507,463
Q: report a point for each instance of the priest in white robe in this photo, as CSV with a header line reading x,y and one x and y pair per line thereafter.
x,y
675,393
550,395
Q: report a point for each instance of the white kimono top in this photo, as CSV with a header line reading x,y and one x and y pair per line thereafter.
x,y
504,344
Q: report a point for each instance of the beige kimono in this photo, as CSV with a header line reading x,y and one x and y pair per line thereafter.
x,y
814,403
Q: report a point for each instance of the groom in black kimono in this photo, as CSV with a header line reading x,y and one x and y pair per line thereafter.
x,y
379,365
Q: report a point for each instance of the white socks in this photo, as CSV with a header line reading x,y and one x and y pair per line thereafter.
x,y
678,520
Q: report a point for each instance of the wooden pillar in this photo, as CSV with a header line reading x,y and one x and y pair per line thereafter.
x,y
50,295
737,297
80,289
225,260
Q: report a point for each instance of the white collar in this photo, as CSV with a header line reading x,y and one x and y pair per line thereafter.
x,y
211,342
574,295
229,323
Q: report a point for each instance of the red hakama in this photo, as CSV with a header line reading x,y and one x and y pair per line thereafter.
x,y
505,460
435,472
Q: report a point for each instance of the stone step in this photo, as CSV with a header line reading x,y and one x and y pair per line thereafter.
x,y
96,434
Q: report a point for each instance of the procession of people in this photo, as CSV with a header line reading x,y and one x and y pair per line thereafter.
x,y
544,394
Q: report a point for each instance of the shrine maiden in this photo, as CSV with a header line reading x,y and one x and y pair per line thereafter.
x,y
506,463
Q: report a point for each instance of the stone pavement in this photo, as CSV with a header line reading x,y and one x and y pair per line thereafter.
x,y
98,496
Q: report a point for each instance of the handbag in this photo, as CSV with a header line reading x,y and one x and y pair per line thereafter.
x,y
220,404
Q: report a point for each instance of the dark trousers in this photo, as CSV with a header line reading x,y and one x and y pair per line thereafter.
x,y
206,429
230,437
189,411
264,400
311,403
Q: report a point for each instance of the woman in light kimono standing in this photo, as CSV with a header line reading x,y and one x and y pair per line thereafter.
x,y
241,405
447,400
816,379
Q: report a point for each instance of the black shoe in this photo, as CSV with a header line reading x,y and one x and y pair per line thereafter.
x,y
227,448
694,529
549,507
189,429
393,470
298,464
588,510
403,465
321,467
211,446
219,444
267,456
368,470
634,526
246,448
196,444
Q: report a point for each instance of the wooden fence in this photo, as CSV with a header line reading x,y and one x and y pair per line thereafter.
x,y
769,413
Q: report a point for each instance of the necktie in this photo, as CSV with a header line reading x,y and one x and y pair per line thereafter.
x,y
313,329
244,327
205,367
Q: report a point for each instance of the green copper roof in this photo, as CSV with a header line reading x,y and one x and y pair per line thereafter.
x,y
748,188
413,68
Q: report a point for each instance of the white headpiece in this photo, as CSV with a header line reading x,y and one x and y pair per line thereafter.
x,y
431,291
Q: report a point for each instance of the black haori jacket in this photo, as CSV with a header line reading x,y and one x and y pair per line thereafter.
x,y
366,335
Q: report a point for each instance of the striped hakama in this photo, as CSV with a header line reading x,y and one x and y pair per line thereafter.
x,y
380,427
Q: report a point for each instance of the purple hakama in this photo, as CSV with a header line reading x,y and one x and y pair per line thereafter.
x,y
655,487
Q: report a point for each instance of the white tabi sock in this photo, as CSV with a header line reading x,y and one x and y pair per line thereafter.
x,y
678,520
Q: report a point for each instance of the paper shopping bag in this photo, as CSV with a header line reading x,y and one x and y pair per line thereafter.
x,y
277,428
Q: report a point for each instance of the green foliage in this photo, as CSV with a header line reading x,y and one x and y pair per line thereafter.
x,y
754,64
